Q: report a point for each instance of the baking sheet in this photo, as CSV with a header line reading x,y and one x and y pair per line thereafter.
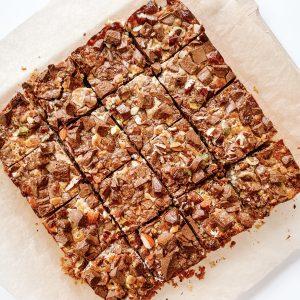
x,y
30,259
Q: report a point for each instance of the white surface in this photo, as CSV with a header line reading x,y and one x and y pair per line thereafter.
x,y
282,17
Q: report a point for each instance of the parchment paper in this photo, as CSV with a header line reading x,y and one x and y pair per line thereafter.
x,y
29,258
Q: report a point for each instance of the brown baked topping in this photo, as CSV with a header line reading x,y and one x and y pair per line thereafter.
x,y
119,273
195,74
142,108
83,227
266,178
179,157
134,195
98,145
167,245
46,177
109,59
233,124
161,28
215,212
22,129
61,92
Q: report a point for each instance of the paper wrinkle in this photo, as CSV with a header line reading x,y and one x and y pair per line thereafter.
x,y
29,263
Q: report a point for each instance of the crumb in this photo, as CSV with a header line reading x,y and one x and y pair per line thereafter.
x,y
294,206
213,263
36,224
288,237
84,34
39,56
232,244
190,287
181,294
255,89
201,273
258,242
23,68
259,224
173,283
298,148
186,274
37,230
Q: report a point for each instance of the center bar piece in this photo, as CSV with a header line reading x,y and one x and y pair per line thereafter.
x,y
142,108
195,74
179,157
167,245
98,145
109,59
134,195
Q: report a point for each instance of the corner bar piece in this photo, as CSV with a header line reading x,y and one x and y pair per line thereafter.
x,y
83,227
265,179
143,108
109,59
215,212
179,157
46,177
233,124
134,195
98,145
195,74
162,27
167,245
119,273
22,129
61,92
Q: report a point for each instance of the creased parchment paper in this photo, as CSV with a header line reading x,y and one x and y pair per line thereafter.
x,y
30,259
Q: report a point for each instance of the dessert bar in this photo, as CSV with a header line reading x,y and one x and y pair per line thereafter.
x,y
22,129
167,245
143,108
266,178
83,227
134,195
233,124
46,177
215,212
161,27
61,92
179,157
98,145
109,59
195,74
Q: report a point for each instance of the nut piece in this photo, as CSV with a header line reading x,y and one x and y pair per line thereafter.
x,y
147,241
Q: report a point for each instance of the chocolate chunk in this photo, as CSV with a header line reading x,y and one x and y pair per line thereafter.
x,y
198,55
167,268
188,65
205,76
223,218
172,216
164,238
102,128
62,171
113,37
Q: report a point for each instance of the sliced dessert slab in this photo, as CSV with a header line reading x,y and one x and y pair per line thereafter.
x,y
22,129
134,195
83,227
46,177
98,145
109,59
215,212
195,74
162,27
143,108
119,273
233,124
179,157
61,92
266,178
167,245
